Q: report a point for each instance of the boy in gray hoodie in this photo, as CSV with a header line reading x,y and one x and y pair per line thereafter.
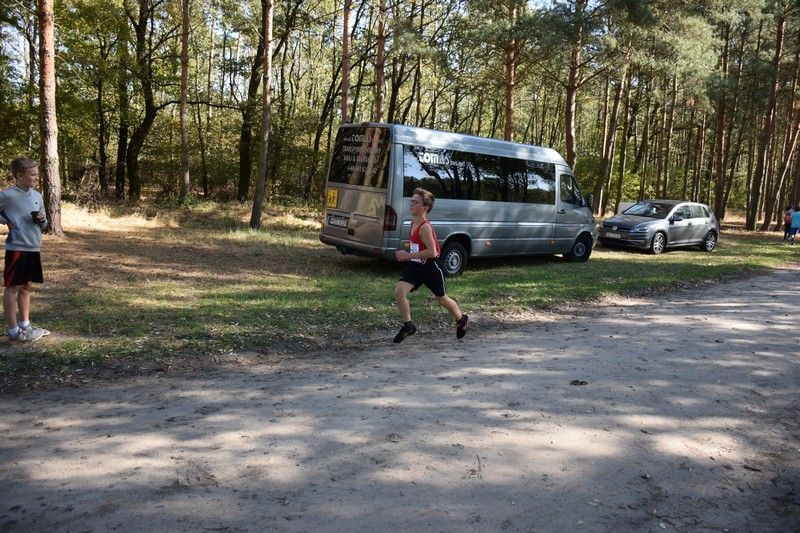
x,y
22,210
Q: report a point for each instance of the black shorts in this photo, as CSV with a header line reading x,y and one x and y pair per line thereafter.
x,y
428,273
22,267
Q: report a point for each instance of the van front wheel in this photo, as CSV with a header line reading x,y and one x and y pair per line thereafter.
x,y
581,250
453,259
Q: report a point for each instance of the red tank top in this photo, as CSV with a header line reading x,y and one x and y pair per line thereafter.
x,y
416,240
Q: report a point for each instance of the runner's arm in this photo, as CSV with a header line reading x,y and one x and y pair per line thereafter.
x,y
426,234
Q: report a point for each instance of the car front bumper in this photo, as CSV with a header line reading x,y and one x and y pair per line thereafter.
x,y
630,240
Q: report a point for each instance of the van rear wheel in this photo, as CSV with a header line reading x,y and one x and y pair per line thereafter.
x,y
454,259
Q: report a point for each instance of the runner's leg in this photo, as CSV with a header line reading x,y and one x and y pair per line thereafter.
x,y
10,295
401,291
24,302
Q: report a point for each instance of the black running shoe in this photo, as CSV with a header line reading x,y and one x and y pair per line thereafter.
x,y
461,326
406,331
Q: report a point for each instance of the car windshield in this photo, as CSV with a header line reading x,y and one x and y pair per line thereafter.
x,y
649,209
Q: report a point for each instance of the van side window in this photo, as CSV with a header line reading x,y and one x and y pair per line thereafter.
x,y
490,177
570,193
467,176
540,187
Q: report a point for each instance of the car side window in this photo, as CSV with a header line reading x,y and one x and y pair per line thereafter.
x,y
683,212
698,211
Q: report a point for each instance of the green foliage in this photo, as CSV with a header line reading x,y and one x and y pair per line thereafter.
x,y
445,68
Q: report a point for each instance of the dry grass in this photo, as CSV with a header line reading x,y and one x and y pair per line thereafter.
x,y
158,289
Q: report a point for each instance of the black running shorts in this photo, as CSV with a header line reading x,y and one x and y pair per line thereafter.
x,y
428,273
22,267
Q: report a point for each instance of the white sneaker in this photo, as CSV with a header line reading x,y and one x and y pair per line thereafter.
x,y
34,326
28,334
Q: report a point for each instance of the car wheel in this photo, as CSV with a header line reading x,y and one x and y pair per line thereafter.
x,y
454,259
658,244
709,243
581,250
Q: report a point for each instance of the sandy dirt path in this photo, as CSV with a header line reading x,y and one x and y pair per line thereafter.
x,y
689,419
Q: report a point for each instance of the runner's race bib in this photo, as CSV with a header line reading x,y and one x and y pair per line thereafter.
x,y
413,248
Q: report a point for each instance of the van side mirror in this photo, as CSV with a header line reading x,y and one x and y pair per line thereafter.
x,y
588,201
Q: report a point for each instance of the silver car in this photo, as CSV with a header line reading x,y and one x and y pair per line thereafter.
x,y
656,225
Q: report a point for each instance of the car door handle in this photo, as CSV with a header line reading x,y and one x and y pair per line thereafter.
x,y
562,212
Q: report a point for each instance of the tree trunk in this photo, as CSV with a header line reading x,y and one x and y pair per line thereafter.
x,y
790,142
380,62
346,61
602,118
249,109
609,145
258,199
573,83
658,153
728,161
207,128
362,71
47,116
699,156
645,149
251,105
719,129
794,195
623,149
689,152
767,132
571,91
144,73
399,76
185,180
511,79
202,128
102,136
122,132
670,125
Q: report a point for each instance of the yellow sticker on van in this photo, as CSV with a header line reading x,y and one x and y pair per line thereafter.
x,y
333,198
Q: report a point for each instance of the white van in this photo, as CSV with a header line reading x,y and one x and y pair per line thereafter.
x,y
493,198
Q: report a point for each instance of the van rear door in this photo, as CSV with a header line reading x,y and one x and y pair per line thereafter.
x,y
356,190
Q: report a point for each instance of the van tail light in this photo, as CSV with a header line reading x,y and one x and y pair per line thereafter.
x,y
389,219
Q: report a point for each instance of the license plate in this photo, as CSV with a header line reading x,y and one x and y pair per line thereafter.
x,y
336,220
332,198
613,235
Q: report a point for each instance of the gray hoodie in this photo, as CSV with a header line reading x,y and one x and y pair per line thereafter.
x,y
15,208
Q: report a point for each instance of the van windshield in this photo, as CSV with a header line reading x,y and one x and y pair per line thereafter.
x,y
361,156
649,209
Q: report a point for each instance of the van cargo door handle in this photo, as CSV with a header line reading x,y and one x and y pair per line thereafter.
x,y
562,212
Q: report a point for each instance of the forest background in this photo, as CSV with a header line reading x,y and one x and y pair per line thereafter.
x,y
163,100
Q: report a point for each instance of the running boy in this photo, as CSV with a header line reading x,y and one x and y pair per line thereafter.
x,y
422,269
22,210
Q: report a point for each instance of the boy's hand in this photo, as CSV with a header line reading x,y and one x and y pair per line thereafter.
x,y
401,255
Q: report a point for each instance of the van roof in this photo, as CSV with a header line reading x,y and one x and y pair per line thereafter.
x,y
468,143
